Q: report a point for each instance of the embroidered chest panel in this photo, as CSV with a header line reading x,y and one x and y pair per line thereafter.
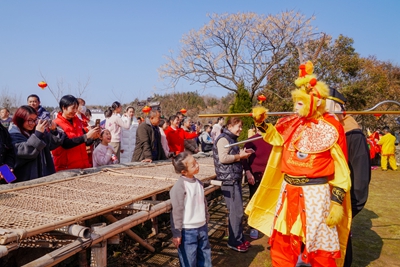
x,y
313,137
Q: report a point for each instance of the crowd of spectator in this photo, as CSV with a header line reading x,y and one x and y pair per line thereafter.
x,y
39,143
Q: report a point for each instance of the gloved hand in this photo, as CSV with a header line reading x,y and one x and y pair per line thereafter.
x,y
259,115
336,213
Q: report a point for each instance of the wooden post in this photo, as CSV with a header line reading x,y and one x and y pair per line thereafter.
x,y
82,255
83,262
154,221
131,234
98,256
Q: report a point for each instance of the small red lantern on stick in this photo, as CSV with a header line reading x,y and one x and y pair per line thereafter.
x,y
377,116
146,109
42,84
183,111
261,98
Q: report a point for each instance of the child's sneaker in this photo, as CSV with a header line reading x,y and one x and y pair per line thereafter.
x,y
240,248
253,234
247,244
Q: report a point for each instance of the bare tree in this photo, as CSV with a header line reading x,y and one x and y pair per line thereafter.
x,y
118,95
82,87
64,87
9,100
235,48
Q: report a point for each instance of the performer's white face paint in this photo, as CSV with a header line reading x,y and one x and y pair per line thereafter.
x,y
299,108
332,107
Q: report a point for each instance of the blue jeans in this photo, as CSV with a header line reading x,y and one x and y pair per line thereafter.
x,y
195,250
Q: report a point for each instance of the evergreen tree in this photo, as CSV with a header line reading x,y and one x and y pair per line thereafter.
x,y
241,104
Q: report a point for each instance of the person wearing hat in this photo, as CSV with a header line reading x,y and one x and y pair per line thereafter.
x,y
303,202
358,158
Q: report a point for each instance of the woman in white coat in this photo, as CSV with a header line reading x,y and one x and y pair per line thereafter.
x,y
128,136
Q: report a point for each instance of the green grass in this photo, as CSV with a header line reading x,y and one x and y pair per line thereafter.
x,y
376,229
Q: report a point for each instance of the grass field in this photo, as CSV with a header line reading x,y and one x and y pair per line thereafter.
x,y
376,229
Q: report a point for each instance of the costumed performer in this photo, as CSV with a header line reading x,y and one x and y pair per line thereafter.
x,y
388,150
303,195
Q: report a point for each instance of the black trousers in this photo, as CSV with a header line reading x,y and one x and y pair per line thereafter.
x,y
349,253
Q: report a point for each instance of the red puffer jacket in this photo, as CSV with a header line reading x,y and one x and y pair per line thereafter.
x,y
73,158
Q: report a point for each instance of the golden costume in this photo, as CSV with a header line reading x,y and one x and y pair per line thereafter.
x,y
300,198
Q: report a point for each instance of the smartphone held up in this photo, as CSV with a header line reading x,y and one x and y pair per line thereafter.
x,y
97,123
7,174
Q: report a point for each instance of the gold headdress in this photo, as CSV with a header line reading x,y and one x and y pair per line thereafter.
x,y
311,91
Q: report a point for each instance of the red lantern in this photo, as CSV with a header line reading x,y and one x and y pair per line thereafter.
x,y
261,98
183,111
377,116
146,109
42,84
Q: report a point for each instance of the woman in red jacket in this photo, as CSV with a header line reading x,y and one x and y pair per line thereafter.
x,y
72,154
176,136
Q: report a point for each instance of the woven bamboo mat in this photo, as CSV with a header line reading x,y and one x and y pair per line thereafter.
x,y
51,205
205,170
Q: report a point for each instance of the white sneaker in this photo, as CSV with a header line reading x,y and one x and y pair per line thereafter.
x,y
253,234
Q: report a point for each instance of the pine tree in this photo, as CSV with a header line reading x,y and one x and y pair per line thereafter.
x,y
242,104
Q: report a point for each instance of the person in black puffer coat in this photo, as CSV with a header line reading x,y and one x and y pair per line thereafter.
x,y
229,170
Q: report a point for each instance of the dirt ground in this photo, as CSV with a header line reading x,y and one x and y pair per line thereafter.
x,y
375,233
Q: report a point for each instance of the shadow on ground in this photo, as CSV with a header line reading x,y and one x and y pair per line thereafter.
x,y
362,232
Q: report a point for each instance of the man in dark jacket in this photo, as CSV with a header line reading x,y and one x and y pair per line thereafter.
x,y
148,140
7,153
358,160
34,101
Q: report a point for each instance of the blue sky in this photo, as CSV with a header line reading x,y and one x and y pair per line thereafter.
x,y
119,45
